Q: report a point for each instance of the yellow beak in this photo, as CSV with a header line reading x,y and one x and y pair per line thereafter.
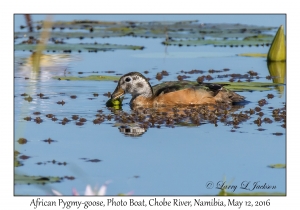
x,y
117,93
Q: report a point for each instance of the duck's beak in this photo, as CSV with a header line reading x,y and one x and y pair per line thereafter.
x,y
117,93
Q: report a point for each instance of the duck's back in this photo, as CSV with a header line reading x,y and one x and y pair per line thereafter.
x,y
189,92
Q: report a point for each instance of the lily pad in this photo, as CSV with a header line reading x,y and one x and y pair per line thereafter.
x,y
279,165
78,47
258,40
248,86
191,32
23,179
91,77
258,55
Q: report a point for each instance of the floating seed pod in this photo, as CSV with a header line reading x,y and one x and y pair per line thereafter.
x,y
75,117
22,141
49,115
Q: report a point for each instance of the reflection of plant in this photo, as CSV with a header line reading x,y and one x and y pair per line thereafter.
x,y
90,191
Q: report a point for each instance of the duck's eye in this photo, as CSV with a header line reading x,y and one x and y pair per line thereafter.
x,y
127,79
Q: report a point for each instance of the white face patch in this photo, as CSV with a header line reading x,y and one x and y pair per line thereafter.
x,y
135,85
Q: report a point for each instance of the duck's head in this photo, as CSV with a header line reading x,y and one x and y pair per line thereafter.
x,y
133,83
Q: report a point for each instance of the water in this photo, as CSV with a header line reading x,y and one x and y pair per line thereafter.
x,y
162,161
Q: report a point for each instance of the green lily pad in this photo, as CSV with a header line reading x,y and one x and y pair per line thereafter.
x,y
89,78
23,179
247,41
78,47
171,31
277,165
257,55
249,86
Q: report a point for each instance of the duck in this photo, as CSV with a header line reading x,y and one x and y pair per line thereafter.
x,y
172,93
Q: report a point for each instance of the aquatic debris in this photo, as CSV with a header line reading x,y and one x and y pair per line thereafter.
x,y
82,119
73,96
38,120
91,77
41,95
27,118
22,141
49,115
279,165
49,140
61,102
29,98
79,123
91,160
75,117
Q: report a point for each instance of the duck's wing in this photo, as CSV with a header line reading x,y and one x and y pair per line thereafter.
x,y
218,91
172,86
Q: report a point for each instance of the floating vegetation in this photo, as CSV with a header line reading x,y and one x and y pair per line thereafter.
x,y
52,162
49,140
258,55
180,33
61,102
22,141
91,77
115,103
17,163
258,40
91,160
23,179
248,86
277,166
68,48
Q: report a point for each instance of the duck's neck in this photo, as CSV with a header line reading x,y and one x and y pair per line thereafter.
x,y
143,89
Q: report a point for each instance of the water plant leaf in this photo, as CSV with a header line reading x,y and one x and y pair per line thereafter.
x,y
279,165
277,51
87,78
257,55
116,103
23,179
78,47
249,86
168,30
258,40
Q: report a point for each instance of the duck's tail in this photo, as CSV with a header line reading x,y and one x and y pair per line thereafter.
x,y
228,96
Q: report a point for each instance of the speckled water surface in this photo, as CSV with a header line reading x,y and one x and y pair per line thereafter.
x,y
57,118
